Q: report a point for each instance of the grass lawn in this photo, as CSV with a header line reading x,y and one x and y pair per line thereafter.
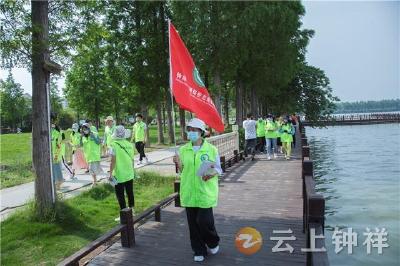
x,y
78,221
16,156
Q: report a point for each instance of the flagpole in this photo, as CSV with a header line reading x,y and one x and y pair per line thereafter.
x,y
170,89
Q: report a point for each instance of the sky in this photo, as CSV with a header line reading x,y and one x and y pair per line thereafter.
x,y
356,43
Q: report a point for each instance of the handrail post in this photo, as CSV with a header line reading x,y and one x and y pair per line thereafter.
x,y
177,187
236,153
128,234
223,165
157,214
305,152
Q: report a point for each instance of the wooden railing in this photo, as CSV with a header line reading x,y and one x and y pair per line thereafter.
x,y
126,229
313,206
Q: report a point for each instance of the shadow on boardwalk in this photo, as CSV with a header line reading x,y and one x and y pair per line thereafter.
x,y
266,195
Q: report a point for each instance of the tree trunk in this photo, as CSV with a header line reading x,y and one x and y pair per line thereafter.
x,y
160,137
145,114
164,119
226,105
239,106
253,102
217,98
171,126
41,153
182,123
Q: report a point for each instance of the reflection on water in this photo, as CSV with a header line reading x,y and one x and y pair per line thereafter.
x,y
357,169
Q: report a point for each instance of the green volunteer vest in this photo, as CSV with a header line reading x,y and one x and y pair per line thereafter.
x,y
75,140
286,137
108,132
56,145
139,129
194,192
260,128
123,152
271,130
91,149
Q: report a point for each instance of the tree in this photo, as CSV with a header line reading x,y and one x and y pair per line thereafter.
x,y
13,104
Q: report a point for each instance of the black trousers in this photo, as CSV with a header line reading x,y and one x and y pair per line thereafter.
x,y
260,144
202,230
140,148
250,144
119,191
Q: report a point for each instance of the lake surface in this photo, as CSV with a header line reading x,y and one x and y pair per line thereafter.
x,y
357,169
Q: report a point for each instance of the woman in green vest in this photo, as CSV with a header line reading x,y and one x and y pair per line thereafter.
x,y
287,132
199,188
78,158
121,167
91,148
57,156
108,133
271,135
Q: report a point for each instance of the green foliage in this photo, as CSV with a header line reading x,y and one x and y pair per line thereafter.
x,y
14,107
368,106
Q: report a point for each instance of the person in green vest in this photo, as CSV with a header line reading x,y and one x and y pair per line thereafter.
x,y
64,162
287,132
271,136
91,148
121,167
108,132
56,155
199,188
279,123
139,137
260,130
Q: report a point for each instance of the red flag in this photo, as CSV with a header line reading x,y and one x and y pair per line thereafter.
x,y
186,85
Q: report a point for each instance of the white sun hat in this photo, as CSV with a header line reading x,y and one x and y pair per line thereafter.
x,y
121,133
197,123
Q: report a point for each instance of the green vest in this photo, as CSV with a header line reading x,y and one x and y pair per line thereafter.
x,y
123,152
271,130
260,128
75,140
56,145
139,131
194,192
287,137
108,132
91,149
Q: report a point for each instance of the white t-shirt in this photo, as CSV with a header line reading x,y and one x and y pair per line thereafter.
x,y
249,129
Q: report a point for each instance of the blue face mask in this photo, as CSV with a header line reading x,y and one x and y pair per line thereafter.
x,y
193,136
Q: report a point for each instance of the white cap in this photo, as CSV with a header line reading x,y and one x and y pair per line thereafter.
x,y
121,133
197,123
75,126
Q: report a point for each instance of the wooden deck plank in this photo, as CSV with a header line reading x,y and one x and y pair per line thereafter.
x,y
266,195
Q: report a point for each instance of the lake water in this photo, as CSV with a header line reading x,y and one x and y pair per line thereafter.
x,y
357,169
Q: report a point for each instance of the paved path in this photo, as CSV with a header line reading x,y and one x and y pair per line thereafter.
x,y
266,195
14,197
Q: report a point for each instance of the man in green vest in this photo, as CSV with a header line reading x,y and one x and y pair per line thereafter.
x,y
199,164
260,129
121,167
57,156
139,137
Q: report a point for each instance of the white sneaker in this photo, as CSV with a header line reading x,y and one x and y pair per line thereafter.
x,y
275,156
214,250
287,158
139,163
198,258
269,158
147,160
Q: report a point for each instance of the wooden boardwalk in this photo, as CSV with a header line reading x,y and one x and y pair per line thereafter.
x,y
266,195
